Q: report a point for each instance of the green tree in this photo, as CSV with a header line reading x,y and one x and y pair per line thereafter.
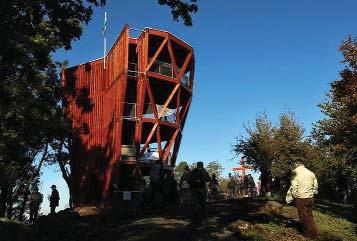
x,y
214,167
30,107
181,9
223,184
338,131
290,145
272,149
258,147
180,168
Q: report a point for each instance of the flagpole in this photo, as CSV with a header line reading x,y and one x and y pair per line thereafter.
x,y
105,39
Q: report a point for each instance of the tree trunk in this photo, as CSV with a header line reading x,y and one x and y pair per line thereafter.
x,y
354,198
65,174
10,203
23,205
3,200
264,178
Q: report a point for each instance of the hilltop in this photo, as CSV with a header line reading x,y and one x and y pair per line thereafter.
x,y
227,220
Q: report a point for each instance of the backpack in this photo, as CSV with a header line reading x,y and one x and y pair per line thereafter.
x,y
198,179
185,185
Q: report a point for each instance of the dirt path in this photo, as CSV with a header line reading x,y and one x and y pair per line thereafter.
x,y
242,220
175,224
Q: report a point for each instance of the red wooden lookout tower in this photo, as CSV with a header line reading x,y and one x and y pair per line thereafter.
x,y
127,112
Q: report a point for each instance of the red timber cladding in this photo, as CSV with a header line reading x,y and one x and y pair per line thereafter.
x,y
94,96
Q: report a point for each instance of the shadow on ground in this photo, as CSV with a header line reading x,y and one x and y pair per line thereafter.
x,y
337,210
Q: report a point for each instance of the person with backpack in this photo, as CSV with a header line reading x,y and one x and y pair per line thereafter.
x,y
197,181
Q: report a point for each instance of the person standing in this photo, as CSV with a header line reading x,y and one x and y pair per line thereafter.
x,y
231,186
197,181
213,188
54,199
251,185
303,188
171,189
184,187
246,186
259,186
240,186
156,184
35,200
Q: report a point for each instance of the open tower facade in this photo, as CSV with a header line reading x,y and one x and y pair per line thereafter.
x,y
127,110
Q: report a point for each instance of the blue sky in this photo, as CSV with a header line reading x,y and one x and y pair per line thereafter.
x,y
251,56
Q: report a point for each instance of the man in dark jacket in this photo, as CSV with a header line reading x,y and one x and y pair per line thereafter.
x,y
197,180
54,199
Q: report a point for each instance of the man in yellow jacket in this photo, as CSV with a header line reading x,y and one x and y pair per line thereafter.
x,y
303,188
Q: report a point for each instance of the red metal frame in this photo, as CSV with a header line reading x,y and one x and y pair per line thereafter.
x,y
95,103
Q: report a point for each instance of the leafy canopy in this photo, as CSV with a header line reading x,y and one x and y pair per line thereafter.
x,y
337,132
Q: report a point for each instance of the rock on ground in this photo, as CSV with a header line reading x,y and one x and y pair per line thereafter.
x,y
272,207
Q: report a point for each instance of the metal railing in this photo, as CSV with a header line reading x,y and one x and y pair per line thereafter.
x,y
152,154
129,112
169,114
162,68
132,69
159,67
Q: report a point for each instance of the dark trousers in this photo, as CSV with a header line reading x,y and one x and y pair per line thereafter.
x,y
199,203
53,209
304,207
33,214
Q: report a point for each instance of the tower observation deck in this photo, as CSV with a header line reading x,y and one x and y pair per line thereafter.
x,y
127,112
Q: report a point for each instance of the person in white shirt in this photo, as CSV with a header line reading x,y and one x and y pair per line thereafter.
x,y
303,188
